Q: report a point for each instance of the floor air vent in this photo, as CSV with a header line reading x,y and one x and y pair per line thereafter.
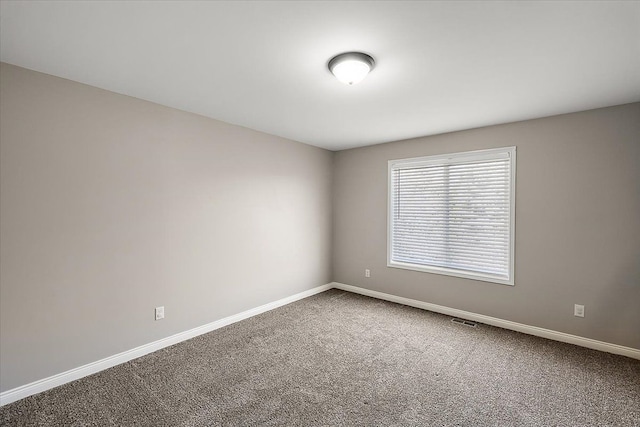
x,y
464,322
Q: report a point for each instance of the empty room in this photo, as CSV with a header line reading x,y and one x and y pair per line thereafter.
x,y
319,213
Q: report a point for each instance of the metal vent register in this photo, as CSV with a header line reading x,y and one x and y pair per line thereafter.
x,y
464,322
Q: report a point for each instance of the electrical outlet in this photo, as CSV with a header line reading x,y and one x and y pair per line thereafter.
x,y
367,273
578,310
159,313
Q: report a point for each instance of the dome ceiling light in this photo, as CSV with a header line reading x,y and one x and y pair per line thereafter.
x,y
351,67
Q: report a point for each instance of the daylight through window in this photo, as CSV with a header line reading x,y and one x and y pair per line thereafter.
x,y
454,214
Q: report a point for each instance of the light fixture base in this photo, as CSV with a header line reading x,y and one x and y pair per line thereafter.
x,y
351,67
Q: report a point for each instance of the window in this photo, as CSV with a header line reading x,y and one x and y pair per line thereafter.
x,y
454,214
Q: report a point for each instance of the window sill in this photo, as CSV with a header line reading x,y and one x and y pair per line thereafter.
x,y
452,272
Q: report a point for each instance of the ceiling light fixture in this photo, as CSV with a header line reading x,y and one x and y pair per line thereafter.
x,y
351,67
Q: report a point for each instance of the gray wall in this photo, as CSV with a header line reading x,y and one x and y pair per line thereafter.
x,y
577,224
111,206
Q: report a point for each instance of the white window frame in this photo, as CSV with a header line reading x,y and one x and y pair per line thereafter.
x,y
457,157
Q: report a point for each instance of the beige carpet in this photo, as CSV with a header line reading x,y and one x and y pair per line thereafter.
x,y
342,359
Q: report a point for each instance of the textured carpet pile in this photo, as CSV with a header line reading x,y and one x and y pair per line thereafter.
x,y
339,358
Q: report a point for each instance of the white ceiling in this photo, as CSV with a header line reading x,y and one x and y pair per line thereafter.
x,y
441,66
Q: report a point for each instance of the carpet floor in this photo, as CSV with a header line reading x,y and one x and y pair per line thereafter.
x,y
337,359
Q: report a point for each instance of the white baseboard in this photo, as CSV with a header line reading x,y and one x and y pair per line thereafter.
x,y
494,321
108,362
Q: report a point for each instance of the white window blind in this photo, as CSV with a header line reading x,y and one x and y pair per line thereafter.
x,y
454,214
